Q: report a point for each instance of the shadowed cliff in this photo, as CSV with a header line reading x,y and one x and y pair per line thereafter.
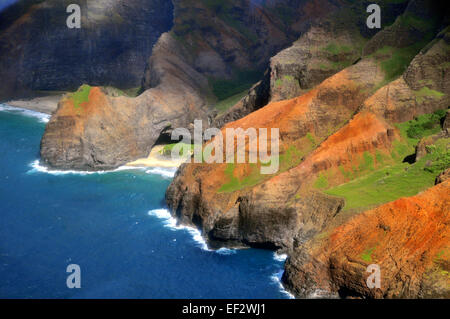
x,y
38,52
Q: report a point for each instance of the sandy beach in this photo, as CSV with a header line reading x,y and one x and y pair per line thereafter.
x,y
156,159
44,104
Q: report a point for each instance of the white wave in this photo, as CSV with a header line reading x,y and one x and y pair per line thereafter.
x,y
160,213
42,117
163,171
37,167
277,279
171,222
278,257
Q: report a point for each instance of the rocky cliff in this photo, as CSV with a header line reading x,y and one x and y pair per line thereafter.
x,y
210,51
331,43
353,107
407,238
346,146
38,52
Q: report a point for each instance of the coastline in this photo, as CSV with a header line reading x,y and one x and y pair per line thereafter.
x,y
155,159
43,117
44,104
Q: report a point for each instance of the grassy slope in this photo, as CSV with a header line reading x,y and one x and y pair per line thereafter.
x,y
80,96
229,102
401,178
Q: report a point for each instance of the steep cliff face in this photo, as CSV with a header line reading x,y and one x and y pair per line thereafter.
x,y
304,121
38,52
211,47
423,88
331,43
408,239
102,128
352,131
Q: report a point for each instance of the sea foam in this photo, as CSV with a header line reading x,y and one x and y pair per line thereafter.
x,y
171,223
37,167
42,117
276,278
163,171
279,257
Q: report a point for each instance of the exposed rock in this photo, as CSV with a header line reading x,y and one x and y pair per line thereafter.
x,y
421,147
407,29
317,55
195,195
38,52
322,132
257,97
330,44
129,127
446,124
408,238
444,176
423,88
177,80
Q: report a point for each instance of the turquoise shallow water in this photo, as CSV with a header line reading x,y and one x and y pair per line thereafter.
x,y
114,226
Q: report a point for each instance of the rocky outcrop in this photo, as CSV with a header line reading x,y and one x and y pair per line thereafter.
x,y
444,176
209,42
257,97
339,130
422,147
105,131
38,52
321,52
331,43
408,239
423,88
420,21
199,192
446,124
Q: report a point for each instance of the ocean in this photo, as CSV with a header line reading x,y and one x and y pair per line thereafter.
x,y
114,225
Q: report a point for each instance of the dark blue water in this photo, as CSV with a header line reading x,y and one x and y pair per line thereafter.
x,y
102,223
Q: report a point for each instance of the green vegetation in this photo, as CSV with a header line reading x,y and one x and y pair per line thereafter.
x,y
321,182
427,92
333,65
234,183
422,126
440,156
384,185
311,138
418,23
336,49
284,80
81,96
289,158
400,179
367,254
394,61
241,81
367,163
167,149
224,105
